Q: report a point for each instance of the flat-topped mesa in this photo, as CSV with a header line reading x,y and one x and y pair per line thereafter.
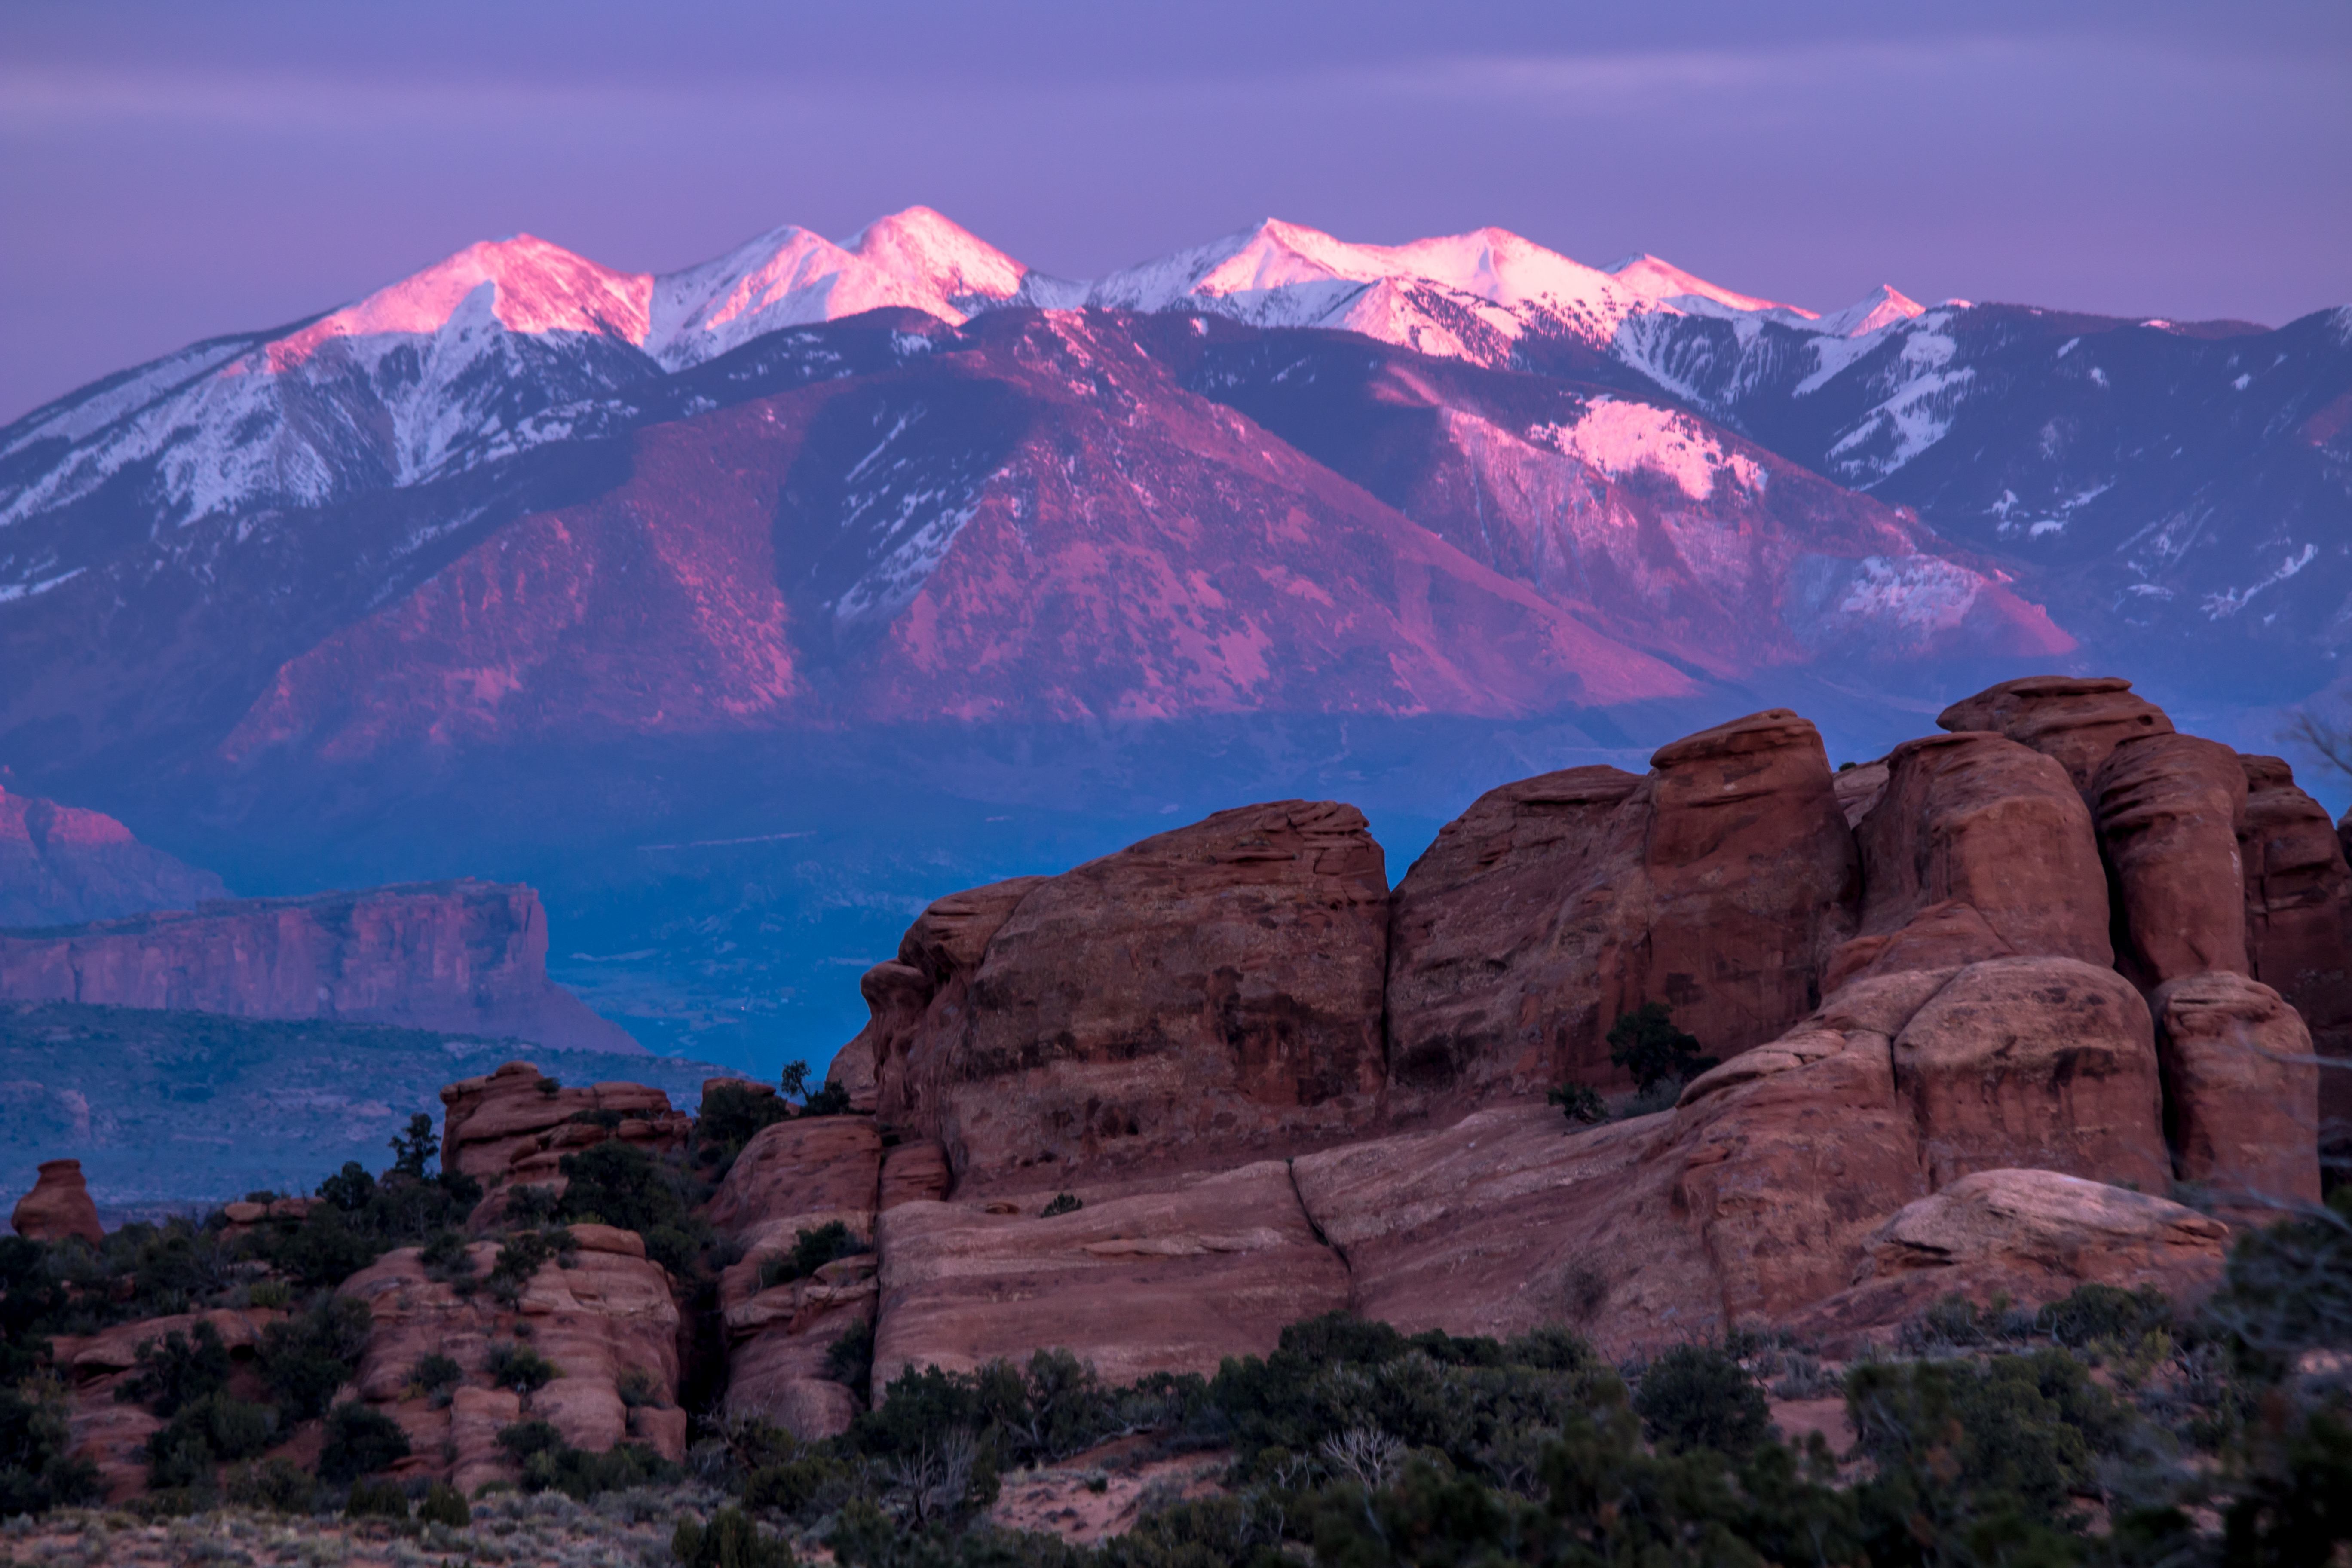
x,y
465,957
1716,885
2078,719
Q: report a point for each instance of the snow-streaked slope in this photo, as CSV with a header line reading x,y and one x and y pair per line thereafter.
x,y
789,277
505,346
1653,278
1465,296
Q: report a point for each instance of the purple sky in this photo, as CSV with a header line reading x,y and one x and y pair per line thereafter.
x,y
170,171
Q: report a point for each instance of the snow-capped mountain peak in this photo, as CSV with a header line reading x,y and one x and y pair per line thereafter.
x,y
534,287
1653,278
789,277
1882,307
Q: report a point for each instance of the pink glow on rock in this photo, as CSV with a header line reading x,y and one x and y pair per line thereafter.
x,y
44,824
1654,279
535,287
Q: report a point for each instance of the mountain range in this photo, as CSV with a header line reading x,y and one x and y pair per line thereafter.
x,y
746,607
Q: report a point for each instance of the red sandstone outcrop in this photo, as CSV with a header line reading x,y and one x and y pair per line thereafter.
x,y
795,1176
2028,1234
603,1314
943,948
2047,1063
2241,1089
112,1434
1986,846
2169,810
513,1127
464,957
61,866
2299,922
2075,720
1555,904
1231,1006
59,1205
1170,1281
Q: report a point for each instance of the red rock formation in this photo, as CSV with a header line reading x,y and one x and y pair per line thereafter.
x,y
1555,904
465,957
1974,820
796,1177
2169,810
607,1315
2076,720
1172,1281
2299,922
61,866
513,1127
1230,1005
2241,1089
112,1433
2041,1062
58,1206
915,1172
2023,1235
944,947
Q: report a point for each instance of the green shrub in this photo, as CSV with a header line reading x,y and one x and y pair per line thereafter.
x,y
437,1374
442,1504
177,1370
305,1359
832,1099
551,1464
732,1114
620,1184
811,1250
377,1500
1697,1396
210,1429
280,1485
411,1152
850,1358
1063,1202
518,1367
1646,1044
35,1473
359,1442
1579,1103
729,1540
2103,1312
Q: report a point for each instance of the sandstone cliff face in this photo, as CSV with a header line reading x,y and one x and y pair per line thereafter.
x,y
1556,904
2299,924
1231,1004
606,1315
61,866
1982,1002
462,957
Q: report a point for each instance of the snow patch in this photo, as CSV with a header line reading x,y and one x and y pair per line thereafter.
x,y
1619,438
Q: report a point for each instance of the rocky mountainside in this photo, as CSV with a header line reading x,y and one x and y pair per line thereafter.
x,y
468,958
60,865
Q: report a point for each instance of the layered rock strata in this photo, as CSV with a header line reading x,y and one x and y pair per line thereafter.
x,y
603,1315
462,957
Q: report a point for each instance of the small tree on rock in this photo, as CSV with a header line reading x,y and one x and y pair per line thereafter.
x,y
1646,1044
